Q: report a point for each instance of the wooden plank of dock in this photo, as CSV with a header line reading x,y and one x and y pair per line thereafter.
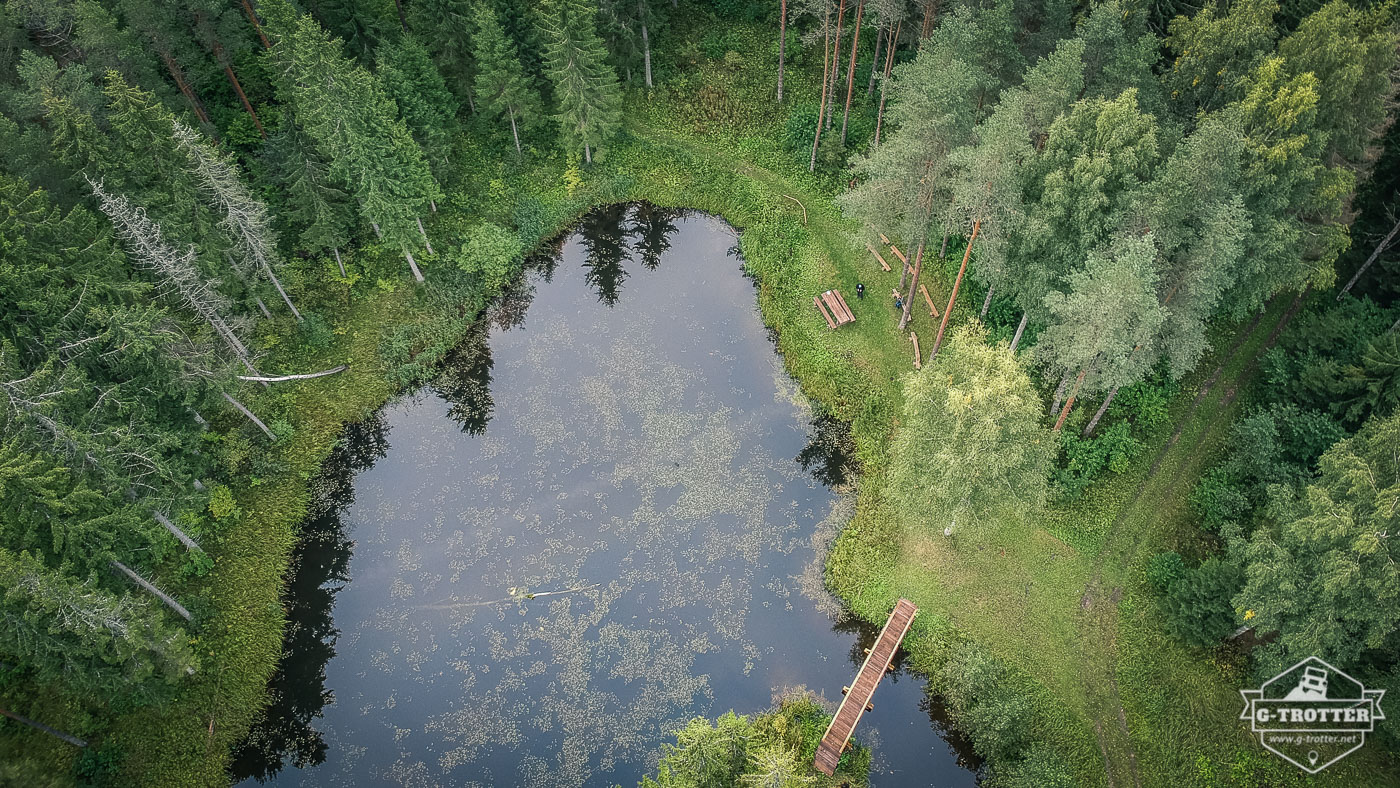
x,y
933,310
883,264
877,663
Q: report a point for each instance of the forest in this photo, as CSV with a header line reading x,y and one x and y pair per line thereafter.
x,y
1145,455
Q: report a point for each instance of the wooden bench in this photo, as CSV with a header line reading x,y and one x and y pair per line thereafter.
x,y
833,308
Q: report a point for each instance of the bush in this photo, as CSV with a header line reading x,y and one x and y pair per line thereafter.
x,y
1042,768
492,254
1198,603
1164,570
1112,448
979,694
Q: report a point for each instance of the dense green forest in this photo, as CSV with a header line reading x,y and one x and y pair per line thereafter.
x,y
1159,236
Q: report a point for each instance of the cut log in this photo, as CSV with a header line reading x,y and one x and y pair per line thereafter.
x,y
899,254
251,417
159,594
915,339
73,740
932,310
306,376
185,540
883,264
884,240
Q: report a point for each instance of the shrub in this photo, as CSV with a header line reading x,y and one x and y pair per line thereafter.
x,y
979,694
1163,570
492,254
1198,603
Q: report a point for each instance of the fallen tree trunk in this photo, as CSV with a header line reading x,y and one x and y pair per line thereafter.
x,y
306,376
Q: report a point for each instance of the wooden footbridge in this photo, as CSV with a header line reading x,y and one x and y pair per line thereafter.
x,y
857,700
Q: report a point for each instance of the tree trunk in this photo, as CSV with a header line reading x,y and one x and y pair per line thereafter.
x,y
587,154
930,15
884,83
880,36
220,55
179,77
514,132
835,63
1016,340
303,376
1059,393
249,414
821,108
378,233
1094,422
851,72
146,584
257,299
1380,248
424,233
267,269
1069,403
986,304
185,540
73,740
403,23
646,48
913,286
938,340
782,45
412,265
336,249
253,18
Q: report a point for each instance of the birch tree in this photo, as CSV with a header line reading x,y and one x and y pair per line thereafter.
x,y
970,447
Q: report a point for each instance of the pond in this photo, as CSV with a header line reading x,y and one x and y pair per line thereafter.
x,y
603,519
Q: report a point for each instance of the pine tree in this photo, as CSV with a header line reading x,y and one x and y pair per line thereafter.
x,y
1213,54
79,636
502,87
1352,53
585,87
907,188
321,209
1108,311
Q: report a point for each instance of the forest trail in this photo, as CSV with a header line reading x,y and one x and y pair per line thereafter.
x,y
1176,462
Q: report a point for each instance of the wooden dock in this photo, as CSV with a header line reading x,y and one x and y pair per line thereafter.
x,y
833,307
857,700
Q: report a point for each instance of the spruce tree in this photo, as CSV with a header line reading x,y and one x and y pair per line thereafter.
x,y
354,125
585,87
245,217
503,90
425,104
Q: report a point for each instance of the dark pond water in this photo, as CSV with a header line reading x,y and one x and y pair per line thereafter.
x,y
605,518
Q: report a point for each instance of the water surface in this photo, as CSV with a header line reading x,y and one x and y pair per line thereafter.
x,y
605,518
